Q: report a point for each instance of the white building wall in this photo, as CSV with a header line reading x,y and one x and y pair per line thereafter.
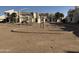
x,y
39,20
44,20
34,15
20,18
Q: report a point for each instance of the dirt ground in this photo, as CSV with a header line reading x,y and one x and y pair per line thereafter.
x,y
51,38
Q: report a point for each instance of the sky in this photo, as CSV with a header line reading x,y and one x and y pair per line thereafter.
x,y
46,9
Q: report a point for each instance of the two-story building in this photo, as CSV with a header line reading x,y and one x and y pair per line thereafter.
x,y
25,16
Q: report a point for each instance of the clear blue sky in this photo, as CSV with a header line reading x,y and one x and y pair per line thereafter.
x,y
49,9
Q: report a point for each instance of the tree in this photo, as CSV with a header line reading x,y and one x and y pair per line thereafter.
x,y
70,14
51,16
8,17
58,15
13,17
61,15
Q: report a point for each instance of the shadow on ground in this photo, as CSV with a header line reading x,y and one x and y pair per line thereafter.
x,y
68,27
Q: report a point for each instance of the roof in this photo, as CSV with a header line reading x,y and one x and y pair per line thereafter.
x,y
10,11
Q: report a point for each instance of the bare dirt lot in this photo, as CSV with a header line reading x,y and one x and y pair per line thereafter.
x,y
53,38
